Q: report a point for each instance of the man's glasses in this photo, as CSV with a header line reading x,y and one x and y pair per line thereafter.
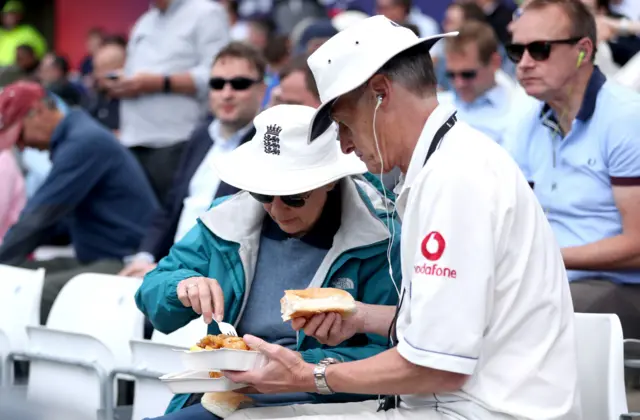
x,y
538,50
464,74
237,83
297,200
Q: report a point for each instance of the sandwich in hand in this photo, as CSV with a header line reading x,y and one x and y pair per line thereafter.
x,y
308,302
223,404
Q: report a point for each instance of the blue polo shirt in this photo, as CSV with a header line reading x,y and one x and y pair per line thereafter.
x,y
573,174
96,185
486,113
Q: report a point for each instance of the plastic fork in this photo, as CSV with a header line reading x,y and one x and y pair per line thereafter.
x,y
226,328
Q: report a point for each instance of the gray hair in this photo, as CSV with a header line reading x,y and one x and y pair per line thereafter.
x,y
413,69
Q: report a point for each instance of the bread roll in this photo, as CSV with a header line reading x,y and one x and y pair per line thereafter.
x,y
223,404
308,302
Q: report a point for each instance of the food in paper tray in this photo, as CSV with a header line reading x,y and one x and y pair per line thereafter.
x,y
220,341
223,404
308,302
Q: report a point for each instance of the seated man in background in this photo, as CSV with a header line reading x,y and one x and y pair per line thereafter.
x,y
305,219
579,150
54,75
236,91
95,184
472,61
297,86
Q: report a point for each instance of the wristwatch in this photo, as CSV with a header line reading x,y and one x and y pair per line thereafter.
x,y
319,376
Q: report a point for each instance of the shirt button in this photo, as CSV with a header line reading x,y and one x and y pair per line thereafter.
x,y
554,186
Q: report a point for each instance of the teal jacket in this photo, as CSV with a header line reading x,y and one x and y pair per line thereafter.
x,y
224,245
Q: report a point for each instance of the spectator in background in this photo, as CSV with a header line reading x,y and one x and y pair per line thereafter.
x,y
237,89
239,29
315,35
579,149
401,11
95,38
277,53
458,13
297,85
54,75
261,30
628,8
12,191
15,33
27,61
107,62
94,184
472,61
163,88
499,14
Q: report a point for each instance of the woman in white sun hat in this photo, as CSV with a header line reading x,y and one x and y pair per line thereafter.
x,y
306,218
484,329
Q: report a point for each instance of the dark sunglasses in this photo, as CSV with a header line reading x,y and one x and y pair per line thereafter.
x,y
237,83
538,50
465,74
297,200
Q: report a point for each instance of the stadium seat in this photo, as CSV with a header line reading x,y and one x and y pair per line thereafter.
x,y
600,366
85,340
20,293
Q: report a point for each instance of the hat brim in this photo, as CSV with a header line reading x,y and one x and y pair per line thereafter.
x,y
11,135
246,170
322,118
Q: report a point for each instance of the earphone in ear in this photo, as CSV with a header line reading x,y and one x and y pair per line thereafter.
x,y
379,98
581,58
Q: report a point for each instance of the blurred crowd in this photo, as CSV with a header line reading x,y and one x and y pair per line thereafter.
x,y
107,164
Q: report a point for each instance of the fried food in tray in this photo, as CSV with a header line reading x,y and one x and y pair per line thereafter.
x,y
220,341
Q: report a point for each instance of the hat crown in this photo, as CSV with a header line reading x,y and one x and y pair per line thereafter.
x,y
363,48
281,138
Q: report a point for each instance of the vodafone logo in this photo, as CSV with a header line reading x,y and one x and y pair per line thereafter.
x,y
433,246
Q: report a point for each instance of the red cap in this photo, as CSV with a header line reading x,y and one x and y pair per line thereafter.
x,y
16,100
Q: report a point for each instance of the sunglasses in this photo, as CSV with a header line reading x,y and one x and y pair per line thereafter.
x,y
464,74
538,50
297,200
237,83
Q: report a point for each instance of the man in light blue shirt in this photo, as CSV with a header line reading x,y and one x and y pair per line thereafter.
x,y
472,60
580,150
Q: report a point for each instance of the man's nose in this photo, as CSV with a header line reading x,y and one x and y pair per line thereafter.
x,y
526,61
346,145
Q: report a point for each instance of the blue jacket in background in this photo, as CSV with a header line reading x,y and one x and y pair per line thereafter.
x,y
357,258
96,185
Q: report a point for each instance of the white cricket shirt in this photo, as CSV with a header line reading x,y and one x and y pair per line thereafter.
x,y
486,292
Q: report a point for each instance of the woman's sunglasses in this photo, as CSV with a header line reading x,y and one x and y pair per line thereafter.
x,y
297,200
538,50
237,83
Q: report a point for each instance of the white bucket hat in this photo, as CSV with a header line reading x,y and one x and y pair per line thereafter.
x,y
351,57
278,160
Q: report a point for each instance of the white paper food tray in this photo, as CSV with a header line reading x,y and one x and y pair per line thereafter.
x,y
222,359
197,382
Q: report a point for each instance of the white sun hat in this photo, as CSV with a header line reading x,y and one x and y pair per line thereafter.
x,y
278,160
351,57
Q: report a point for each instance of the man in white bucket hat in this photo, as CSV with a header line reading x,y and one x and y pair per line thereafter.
x,y
306,218
484,329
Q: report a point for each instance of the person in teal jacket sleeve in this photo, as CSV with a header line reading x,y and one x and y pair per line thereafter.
x,y
306,218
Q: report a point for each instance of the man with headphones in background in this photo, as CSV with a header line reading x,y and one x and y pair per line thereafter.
x,y
484,328
580,149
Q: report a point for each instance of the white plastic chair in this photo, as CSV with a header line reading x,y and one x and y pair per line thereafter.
x,y
600,366
86,338
154,358
20,293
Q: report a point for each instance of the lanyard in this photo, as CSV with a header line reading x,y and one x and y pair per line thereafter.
x,y
391,401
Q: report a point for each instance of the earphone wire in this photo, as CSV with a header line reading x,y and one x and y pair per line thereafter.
x,y
390,219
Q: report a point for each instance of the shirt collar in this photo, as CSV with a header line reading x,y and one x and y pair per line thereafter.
x,y
215,132
173,6
322,233
437,118
596,81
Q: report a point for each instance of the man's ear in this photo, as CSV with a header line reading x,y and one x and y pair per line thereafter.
x,y
380,86
330,187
